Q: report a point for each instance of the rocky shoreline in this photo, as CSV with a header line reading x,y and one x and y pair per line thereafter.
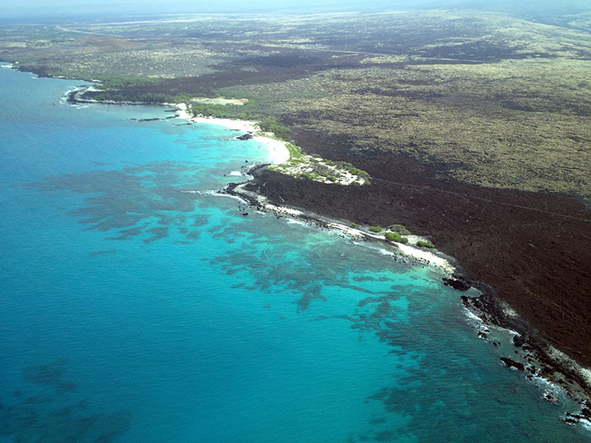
x,y
410,253
529,352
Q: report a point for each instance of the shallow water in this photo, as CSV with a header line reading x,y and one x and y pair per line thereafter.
x,y
133,310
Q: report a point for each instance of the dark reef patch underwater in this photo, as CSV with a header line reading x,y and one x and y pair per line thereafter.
x,y
47,409
133,310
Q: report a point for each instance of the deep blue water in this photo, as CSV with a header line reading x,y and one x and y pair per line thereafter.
x,y
133,311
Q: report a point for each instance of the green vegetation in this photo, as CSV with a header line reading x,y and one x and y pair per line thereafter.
x,y
183,98
354,225
399,229
349,168
148,97
208,110
294,151
425,244
318,169
217,110
310,176
393,236
270,124
250,110
344,96
376,229
272,99
119,81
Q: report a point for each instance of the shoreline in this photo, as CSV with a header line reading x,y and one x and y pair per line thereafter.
x,y
532,355
434,258
528,353
278,152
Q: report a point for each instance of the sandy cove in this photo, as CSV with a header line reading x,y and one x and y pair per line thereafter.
x,y
278,152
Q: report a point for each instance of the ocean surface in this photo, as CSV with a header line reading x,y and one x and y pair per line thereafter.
x,y
138,306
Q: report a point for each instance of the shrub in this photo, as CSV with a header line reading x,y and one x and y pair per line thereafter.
x,y
354,225
118,82
392,236
357,172
425,244
183,98
375,229
399,229
270,124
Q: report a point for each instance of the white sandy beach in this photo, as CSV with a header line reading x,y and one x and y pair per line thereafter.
x,y
278,153
409,250
426,256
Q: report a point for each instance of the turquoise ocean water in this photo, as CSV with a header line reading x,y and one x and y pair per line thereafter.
x,y
132,311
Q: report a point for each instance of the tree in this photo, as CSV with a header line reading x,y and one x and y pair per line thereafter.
x,y
270,124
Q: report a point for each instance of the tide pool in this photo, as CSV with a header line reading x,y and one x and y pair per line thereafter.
x,y
138,306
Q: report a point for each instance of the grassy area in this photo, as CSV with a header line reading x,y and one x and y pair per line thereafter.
x,y
295,152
